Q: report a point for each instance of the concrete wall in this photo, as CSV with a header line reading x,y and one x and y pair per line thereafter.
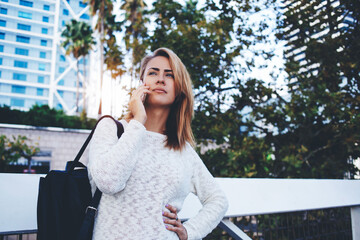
x,y
63,144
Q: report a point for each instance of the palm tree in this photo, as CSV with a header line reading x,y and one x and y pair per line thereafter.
x,y
88,42
114,62
78,42
135,32
103,9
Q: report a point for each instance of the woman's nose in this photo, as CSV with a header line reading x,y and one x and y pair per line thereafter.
x,y
161,78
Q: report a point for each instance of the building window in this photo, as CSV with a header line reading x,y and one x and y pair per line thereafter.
x,y
3,11
19,76
0,74
20,64
26,3
46,8
5,0
16,102
2,23
44,31
85,16
82,4
2,35
61,82
42,66
82,61
40,91
22,39
65,12
43,42
42,54
61,69
63,23
24,27
62,58
45,19
18,89
1,48
0,61
40,103
22,51
41,79
25,15
61,93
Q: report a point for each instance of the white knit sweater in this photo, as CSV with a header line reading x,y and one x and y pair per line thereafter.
x,y
138,176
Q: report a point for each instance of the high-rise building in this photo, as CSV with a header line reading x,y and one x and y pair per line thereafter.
x,y
33,66
311,20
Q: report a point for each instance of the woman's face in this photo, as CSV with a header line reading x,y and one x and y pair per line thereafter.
x,y
159,77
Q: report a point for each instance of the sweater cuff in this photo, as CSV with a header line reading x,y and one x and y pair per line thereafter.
x,y
189,232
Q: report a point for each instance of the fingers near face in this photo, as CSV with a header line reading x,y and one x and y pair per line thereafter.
x,y
141,90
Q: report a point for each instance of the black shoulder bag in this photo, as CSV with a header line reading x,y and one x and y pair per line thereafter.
x,y
66,209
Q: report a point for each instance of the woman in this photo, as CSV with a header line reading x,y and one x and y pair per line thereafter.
x,y
146,175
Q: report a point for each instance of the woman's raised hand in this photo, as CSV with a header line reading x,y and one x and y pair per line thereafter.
x,y
172,219
136,105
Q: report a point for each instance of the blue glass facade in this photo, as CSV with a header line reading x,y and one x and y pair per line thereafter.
x,y
29,71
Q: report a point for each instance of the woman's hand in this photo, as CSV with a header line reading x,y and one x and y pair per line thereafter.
x,y
173,220
136,105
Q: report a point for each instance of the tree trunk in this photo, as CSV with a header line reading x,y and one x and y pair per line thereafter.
x,y
101,54
84,85
77,86
112,95
29,164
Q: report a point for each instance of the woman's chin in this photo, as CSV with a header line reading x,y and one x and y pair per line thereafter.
x,y
159,101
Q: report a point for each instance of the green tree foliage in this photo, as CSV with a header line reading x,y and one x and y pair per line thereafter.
x,y
245,126
78,42
43,116
136,33
316,131
6,155
204,39
12,150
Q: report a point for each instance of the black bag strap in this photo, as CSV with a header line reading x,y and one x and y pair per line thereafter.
x,y
120,130
87,226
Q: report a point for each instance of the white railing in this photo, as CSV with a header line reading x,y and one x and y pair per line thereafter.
x,y
18,199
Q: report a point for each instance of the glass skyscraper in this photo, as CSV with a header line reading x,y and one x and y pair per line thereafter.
x,y
320,30
33,67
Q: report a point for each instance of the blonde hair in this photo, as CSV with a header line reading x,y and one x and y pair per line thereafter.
x,y
178,125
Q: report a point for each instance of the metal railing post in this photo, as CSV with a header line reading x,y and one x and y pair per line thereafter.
x,y
355,222
233,230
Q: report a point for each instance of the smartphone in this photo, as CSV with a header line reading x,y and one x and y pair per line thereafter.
x,y
144,97
145,94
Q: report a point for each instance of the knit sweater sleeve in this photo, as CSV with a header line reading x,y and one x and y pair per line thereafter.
x,y
111,160
212,198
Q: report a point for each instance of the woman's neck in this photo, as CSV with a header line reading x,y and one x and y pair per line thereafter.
x,y
156,119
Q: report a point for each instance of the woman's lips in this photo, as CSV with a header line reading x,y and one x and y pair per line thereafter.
x,y
159,90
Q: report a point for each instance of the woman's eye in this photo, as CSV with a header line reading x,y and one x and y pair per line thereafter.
x,y
152,73
170,75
